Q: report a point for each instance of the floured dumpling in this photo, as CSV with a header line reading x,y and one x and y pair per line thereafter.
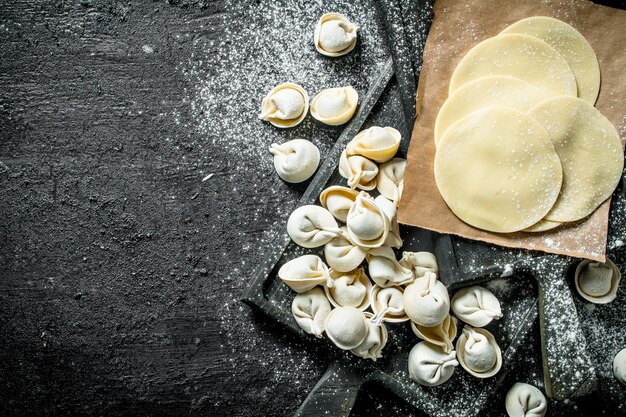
x,y
596,281
420,263
334,35
295,161
524,400
476,306
619,366
368,226
286,105
478,352
347,327
310,309
441,335
372,346
393,239
304,273
359,171
385,270
312,226
387,304
379,144
426,300
342,254
390,180
338,200
350,289
429,365
334,106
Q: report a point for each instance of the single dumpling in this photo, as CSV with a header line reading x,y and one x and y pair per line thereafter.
x,y
359,171
390,180
334,106
286,105
350,289
379,144
420,263
295,161
334,35
478,352
524,400
304,273
619,366
429,365
387,304
338,200
346,327
367,224
426,300
342,254
312,226
389,208
310,310
442,335
476,306
596,281
372,346
385,270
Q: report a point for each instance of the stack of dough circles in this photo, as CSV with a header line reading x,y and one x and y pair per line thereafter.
x,y
520,56
497,170
590,151
571,45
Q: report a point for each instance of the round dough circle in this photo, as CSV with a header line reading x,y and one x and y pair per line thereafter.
x,y
491,91
542,226
590,151
520,56
497,170
571,45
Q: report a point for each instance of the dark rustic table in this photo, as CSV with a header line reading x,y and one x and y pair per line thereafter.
x,y
136,190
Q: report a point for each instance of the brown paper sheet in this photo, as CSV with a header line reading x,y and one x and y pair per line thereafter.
x,y
456,28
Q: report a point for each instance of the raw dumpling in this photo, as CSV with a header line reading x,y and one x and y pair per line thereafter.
x,y
310,310
389,208
524,400
385,270
342,254
350,289
379,144
387,304
372,346
478,352
390,180
304,273
359,171
420,263
476,306
596,281
441,335
285,106
312,226
367,224
338,200
295,161
334,106
619,366
426,300
334,35
429,365
347,327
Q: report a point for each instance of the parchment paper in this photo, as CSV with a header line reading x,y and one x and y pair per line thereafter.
x,y
456,28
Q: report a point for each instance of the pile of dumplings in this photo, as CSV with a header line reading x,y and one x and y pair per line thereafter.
x,y
351,304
